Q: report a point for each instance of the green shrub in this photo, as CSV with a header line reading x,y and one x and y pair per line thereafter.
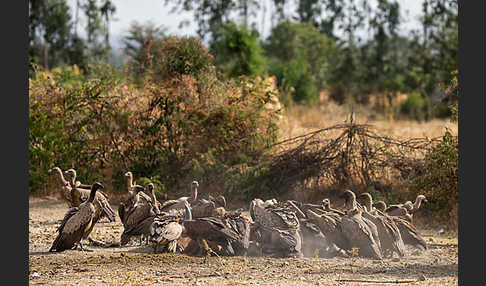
x,y
238,51
439,181
414,106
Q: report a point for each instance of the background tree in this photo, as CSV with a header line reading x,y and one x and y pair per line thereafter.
x,y
238,52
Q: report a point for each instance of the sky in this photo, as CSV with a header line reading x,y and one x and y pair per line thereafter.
x,y
143,11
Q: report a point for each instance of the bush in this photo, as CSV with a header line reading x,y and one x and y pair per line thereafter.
x,y
238,51
414,106
439,182
183,126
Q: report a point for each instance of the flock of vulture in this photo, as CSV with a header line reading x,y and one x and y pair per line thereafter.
x,y
197,226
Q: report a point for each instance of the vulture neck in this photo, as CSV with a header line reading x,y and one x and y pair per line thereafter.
x,y
417,203
61,177
193,193
73,179
154,199
368,202
130,180
92,194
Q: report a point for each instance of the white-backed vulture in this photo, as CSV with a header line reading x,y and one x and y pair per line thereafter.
x,y
65,187
128,202
418,203
131,184
278,229
358,229
164,232
73,181
389,234
156,204
135,214
77,224
79,195
409,233
210,229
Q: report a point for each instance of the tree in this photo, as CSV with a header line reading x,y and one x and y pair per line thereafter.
x,y
49,32
300,55
139,45
238,51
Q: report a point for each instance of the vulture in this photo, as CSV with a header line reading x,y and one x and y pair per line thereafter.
x,y
380,205
277,229
75,183
128,202
65,186
330,225
131,184
156,204
409,233
180,203
240,225
80,194
389,234
406,209
77,224
164,232
135,214
326,204
358,229
210,229
219,201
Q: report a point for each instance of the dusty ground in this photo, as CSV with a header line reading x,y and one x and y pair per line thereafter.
x,y
134,265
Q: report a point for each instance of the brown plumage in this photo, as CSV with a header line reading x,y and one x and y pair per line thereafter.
x,y
219,201
359,230
79,195
156,204
278,229
330,225
136,213
65,187
389,234
326,204
380,205
130,184
128,202
240,224
210,229
164,232
77,224
409,233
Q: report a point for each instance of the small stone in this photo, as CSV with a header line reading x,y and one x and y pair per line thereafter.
x,y
421,277
35,274
396,259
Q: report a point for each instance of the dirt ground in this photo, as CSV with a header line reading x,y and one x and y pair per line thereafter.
x,y
136,265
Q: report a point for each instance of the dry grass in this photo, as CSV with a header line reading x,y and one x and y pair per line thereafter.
x,y
302,120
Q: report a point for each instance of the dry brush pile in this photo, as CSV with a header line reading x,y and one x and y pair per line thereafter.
x,y
353,156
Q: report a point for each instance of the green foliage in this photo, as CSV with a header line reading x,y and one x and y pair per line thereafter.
x,y
439,181
188,126
170,57
294,76
300,57
414,106
238,51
